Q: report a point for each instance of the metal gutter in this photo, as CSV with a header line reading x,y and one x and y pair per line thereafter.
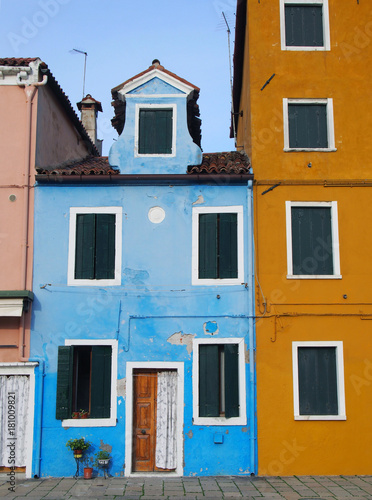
x,y
221,179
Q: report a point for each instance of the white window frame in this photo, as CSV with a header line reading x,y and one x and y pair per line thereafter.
x,y
98,422
340,380
242,419
195,245
326,30
159,366
138,108
330,123
335,239
74,211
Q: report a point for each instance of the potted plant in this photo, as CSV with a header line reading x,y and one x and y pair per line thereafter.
x,y
78,446
88,469
75,414
83,414
102,458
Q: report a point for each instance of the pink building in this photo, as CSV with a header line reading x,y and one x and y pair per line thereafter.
x,y
38,128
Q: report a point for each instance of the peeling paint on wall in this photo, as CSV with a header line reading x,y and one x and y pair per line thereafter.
x,y
121,387
105,447
180,338
199,201
210,328
136,277
190,434
246,354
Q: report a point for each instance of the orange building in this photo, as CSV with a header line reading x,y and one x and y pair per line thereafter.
x,y
302,99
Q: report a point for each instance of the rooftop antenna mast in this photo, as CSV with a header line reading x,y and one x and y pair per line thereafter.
x,y
231,80
85,66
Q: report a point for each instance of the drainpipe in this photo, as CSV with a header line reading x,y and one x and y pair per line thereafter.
x,y
252,336
30,91
38,423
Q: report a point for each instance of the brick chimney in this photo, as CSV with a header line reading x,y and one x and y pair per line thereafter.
x,y
89,108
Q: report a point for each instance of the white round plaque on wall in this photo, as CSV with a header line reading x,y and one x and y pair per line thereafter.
x,y
156,215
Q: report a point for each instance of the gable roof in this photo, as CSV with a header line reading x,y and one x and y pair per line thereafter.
x,y
91,165
230,162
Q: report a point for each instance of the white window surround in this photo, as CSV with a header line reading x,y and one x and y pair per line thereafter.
x,y
242,419
74,211
326,31
335,239
340,380
140,106
195,246
159,366
330,123
27,369
99,422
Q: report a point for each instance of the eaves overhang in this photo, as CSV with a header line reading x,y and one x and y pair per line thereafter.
x,y
14,302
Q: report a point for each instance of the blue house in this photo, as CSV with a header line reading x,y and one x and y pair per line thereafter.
x,y
143,308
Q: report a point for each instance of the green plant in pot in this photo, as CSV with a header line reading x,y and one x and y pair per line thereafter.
x,y
102,458
88,469
78,446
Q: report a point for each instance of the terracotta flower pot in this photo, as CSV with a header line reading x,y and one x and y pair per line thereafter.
x,y
75,414
88,471
84,415
78,453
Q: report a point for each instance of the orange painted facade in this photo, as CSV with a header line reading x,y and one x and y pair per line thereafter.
x,y
331,309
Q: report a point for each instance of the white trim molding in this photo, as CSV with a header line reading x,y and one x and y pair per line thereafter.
x,y
340,380
196,211
28,369
328,102
326,30
155,73
158,366
242,419
335,239
99,422
155,106
74,211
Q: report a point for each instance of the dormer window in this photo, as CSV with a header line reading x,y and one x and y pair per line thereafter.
x,y
155,130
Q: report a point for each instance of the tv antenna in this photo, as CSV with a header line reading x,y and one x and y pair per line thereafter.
x,y
85,65
231,81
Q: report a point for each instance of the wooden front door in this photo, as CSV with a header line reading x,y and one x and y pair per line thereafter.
x,y
144,421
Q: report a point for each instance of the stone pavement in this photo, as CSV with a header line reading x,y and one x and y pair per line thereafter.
x,y
195,488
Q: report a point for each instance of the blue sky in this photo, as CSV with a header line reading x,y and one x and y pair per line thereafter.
x,y
122,37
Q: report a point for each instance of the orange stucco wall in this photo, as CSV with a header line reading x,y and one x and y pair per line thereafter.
x,y
311,309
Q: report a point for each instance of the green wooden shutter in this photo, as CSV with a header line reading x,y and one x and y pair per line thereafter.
x,y
228,245
208,246
307,126
231,381
209,381
312,240
304,25
100,402
155,131
105,246
64,382
85,246
317,378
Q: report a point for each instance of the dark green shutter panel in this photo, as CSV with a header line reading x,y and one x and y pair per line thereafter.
x,y
208,246
209,383
105,246
228,245
307,126
231,381
100,400
155,131
312,240
64,382
317,377
85,246
304,26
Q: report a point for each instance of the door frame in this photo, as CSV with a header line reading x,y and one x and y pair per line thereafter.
x,y
157,366
28,368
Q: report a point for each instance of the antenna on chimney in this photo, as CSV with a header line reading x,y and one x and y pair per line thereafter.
x,y
85,65
231,82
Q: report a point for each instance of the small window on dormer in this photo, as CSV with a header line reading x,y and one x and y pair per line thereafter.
x,y
155,131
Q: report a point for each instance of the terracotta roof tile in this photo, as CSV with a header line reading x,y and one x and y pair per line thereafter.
x,y
91,165
231,162
16,61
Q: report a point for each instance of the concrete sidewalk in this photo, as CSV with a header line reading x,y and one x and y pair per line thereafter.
x,y
173,488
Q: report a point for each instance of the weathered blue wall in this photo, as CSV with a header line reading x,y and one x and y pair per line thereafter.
x,y
156,287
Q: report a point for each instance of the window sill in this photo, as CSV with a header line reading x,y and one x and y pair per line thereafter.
x,y
305,48
114,282
89,422
320,150
220,421
320,417
217,282
154,155
314,276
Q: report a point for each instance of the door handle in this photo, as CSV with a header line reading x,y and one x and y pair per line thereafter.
x,y
143,431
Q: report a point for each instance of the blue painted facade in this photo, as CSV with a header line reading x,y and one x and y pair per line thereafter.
x,y
156,315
